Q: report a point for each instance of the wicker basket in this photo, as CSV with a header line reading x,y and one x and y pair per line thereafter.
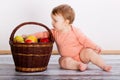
x,y
32,57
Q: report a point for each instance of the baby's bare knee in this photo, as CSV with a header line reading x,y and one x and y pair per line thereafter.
x,y
85,55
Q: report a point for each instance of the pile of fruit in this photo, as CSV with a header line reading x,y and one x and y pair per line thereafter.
x,y
30,39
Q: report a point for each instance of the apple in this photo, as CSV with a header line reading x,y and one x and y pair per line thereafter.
x,y
44,40
18,39
31,39
28,41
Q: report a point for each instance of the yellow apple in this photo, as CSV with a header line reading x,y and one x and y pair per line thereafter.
x,y
18,39
31,39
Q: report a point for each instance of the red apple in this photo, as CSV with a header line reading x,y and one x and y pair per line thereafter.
x,y
31,39
28,41
44,40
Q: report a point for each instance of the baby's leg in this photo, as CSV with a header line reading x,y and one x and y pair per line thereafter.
x,y
89,55
69,63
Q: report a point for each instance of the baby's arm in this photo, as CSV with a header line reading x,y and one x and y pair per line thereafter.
x,y
44,34
86,42
41,34
91,44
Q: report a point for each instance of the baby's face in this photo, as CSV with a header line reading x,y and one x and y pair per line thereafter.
x,y
58,22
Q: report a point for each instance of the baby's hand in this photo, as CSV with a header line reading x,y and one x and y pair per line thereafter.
x,y
98,49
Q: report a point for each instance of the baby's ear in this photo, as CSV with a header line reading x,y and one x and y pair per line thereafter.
x,y
67,21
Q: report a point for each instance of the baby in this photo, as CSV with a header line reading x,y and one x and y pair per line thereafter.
x,y
75,48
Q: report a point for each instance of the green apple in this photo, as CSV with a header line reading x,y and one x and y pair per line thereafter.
x,y
18,39
31,39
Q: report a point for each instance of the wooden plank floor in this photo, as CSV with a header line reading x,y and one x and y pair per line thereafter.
x,y
53,72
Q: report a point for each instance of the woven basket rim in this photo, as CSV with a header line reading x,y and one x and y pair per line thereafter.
x,y
12,43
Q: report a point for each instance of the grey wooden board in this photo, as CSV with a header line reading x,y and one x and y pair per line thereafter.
x,y
53,72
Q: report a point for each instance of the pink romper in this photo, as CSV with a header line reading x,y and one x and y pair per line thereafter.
x,y
71,43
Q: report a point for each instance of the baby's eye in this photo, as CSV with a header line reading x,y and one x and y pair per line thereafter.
x,y
55,20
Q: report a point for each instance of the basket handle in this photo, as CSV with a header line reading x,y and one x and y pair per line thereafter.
x,y
31,23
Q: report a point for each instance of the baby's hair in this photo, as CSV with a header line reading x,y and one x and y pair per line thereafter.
x,y
66,11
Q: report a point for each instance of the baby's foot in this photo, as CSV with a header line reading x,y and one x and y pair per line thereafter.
x,y
107,68
82,67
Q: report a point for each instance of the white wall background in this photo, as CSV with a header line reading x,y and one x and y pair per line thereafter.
x,y
98,19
